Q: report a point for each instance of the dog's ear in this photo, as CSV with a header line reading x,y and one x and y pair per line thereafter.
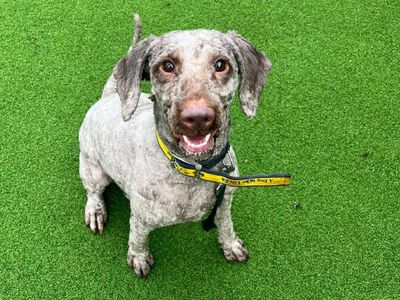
x,y
129,72
253,71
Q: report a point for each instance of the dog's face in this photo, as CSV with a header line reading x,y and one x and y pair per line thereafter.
x,y
194,75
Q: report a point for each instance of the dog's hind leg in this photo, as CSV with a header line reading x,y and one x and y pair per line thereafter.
x,y
95,180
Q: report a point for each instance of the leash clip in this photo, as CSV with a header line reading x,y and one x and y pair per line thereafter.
x,y
228,167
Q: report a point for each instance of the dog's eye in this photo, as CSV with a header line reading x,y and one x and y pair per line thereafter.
x,y
220,65
168,66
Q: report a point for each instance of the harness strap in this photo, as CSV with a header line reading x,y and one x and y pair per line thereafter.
x,y
219,194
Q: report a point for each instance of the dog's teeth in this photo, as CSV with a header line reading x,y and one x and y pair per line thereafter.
x,y
185,138
191,144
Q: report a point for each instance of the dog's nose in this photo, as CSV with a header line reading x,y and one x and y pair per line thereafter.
x,y
198,117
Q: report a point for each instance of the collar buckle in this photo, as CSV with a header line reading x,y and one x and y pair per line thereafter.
x,y
197,172
173,163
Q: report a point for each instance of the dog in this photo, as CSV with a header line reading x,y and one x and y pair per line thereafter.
x,y
194,75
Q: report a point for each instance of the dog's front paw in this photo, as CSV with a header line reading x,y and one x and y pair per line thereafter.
x,y
141,263
235,250
95,215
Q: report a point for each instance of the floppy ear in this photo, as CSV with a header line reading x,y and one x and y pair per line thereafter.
x,y
129,72
253,70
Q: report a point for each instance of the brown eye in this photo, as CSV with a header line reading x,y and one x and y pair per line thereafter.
x,y
220,65
168,66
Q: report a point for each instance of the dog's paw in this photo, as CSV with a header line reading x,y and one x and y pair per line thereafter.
x,y
235,250
95,216
141,263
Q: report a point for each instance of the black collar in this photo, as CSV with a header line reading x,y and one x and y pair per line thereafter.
x,y
214,160
204,164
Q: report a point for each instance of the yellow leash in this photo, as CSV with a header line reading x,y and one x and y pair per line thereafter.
x,y
195,169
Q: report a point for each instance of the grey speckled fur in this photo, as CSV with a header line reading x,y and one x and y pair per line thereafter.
x,y
118,136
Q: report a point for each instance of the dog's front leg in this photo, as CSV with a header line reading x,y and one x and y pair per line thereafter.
x,y
231,244
139,256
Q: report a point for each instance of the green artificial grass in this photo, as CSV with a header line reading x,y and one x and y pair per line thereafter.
x,y
330,116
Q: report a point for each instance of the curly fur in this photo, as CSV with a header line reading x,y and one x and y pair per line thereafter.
x,y
118,135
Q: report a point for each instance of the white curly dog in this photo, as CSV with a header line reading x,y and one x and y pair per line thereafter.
x,y
194,75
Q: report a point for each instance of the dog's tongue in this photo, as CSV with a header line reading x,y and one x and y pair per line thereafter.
x,y
196,143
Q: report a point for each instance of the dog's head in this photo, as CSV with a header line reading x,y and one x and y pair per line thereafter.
x,y
194,75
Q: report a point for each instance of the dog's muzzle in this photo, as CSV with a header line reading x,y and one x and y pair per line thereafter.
x,y
198,125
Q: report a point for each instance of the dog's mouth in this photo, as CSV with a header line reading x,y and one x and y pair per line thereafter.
x,y
197,143
195,127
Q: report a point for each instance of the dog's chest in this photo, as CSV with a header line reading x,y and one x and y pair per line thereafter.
x,y
177,201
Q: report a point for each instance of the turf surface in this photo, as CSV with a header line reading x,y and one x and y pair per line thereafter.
x,y
330,116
